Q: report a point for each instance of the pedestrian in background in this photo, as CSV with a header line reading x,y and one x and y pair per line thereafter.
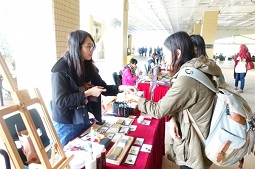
x,y
240,69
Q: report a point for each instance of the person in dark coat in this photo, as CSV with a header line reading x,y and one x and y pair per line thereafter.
x,y
152,61
145,51
77,86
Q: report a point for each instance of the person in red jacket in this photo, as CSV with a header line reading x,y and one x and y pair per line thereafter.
x,y
240,70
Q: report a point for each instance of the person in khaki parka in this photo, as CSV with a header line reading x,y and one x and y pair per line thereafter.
x,y
185,147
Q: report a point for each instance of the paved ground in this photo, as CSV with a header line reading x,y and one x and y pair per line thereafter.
x,y
227,69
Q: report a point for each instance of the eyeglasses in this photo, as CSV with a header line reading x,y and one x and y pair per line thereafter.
x,y
91,48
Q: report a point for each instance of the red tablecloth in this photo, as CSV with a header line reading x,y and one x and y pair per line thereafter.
x,y
153,134
159,91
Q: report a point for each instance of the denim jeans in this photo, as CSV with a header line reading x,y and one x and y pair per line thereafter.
x,y
67,132
241,77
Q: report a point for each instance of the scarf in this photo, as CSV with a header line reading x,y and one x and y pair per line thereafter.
x,y
132,69
243,51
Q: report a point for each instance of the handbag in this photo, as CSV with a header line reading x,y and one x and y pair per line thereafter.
x,y
249,65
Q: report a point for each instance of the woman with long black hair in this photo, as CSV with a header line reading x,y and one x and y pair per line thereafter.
x,y
77,86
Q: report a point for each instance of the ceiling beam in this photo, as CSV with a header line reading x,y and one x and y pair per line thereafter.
x,y
163,4
192,12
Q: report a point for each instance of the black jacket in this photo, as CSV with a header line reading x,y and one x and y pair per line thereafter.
x,y
68,103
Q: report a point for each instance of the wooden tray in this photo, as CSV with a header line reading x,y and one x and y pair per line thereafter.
x,y
123,152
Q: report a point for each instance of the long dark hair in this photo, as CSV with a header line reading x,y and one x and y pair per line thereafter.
x,y
133,61
182,41
199,42
82,71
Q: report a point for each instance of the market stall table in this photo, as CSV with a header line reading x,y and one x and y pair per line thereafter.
x,y
153,134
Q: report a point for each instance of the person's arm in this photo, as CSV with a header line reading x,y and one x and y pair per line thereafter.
x,y
138,71
94,91
179,97
175,129
111,90
248,58
127,89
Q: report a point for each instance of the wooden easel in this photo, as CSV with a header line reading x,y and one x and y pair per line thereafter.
x,y
22,101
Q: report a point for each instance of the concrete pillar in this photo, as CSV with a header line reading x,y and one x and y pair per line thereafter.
x,y
124,30
197,29
66,19
101,41
130,38
209,30
91,25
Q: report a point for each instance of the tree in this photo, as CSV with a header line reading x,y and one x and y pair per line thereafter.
x,y
5,48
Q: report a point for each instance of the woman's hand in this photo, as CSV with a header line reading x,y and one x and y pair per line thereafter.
x,y
94,91
127,89
174,130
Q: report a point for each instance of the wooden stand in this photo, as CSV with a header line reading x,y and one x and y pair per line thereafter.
x,y
22,101
123,152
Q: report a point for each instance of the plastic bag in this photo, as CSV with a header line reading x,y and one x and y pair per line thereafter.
x,y
27,146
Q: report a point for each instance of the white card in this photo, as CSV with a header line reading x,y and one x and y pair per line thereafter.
x,y
146,122
132,127
134,150
146,148
130,159
139,141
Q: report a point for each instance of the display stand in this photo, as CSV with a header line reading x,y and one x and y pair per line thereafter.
x,y
122,153
22,101
153,82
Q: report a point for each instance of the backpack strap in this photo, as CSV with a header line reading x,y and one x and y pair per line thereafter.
x,y
189,119
202,78
199,76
